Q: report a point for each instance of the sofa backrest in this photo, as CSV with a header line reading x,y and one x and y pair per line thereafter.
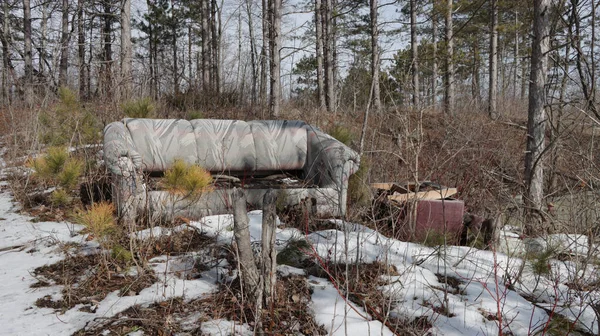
x,y
280,144
224,145
160,142
220,145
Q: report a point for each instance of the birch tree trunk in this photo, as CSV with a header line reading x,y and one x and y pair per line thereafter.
x,y
64,45
415,52
375,56
536,122
493,87
449,95
126,47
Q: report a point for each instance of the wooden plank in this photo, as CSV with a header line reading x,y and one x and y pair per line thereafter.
x,y
383,186
426,195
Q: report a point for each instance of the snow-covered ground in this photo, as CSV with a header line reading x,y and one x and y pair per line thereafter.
x,y
474,289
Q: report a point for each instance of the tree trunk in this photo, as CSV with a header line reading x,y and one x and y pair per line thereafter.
x,y
81,51
493,87
516,56
215,31
328,55
64,45
43,38
415,52
536,123
449,96
191,81
6,63
275,62
252,51
375,56
28,55
319,54
251,280
269,254
107,57
126,47
263,54
476,82
174,50
205,37
434,70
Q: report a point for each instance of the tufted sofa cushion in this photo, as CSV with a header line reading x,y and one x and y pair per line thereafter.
x,y
224,145
159,142
280,144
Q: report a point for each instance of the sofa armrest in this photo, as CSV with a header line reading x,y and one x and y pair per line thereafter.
x,y
118,145
125,165
329,163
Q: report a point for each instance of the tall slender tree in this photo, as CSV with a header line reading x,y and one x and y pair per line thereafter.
x,y
64,45
126,47
493,87
536,121
449,94
28,60
414,47
275,60
319,53
375,56
434,60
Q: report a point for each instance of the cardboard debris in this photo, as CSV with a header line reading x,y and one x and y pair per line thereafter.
x,y
408,191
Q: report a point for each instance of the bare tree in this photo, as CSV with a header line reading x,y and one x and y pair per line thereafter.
x,y
205,52
28,53
106,69
6,59
328,47
434,70
252,51
126,47
83,75
375,56
319,53
536,123
263,53
449,94
64,45
275,60
493,87
414,52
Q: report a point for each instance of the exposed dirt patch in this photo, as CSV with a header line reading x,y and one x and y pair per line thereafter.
x,y
289,314
87,280
453,284
363,282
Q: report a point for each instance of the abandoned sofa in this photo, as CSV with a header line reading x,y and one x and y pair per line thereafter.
x,y
297,159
